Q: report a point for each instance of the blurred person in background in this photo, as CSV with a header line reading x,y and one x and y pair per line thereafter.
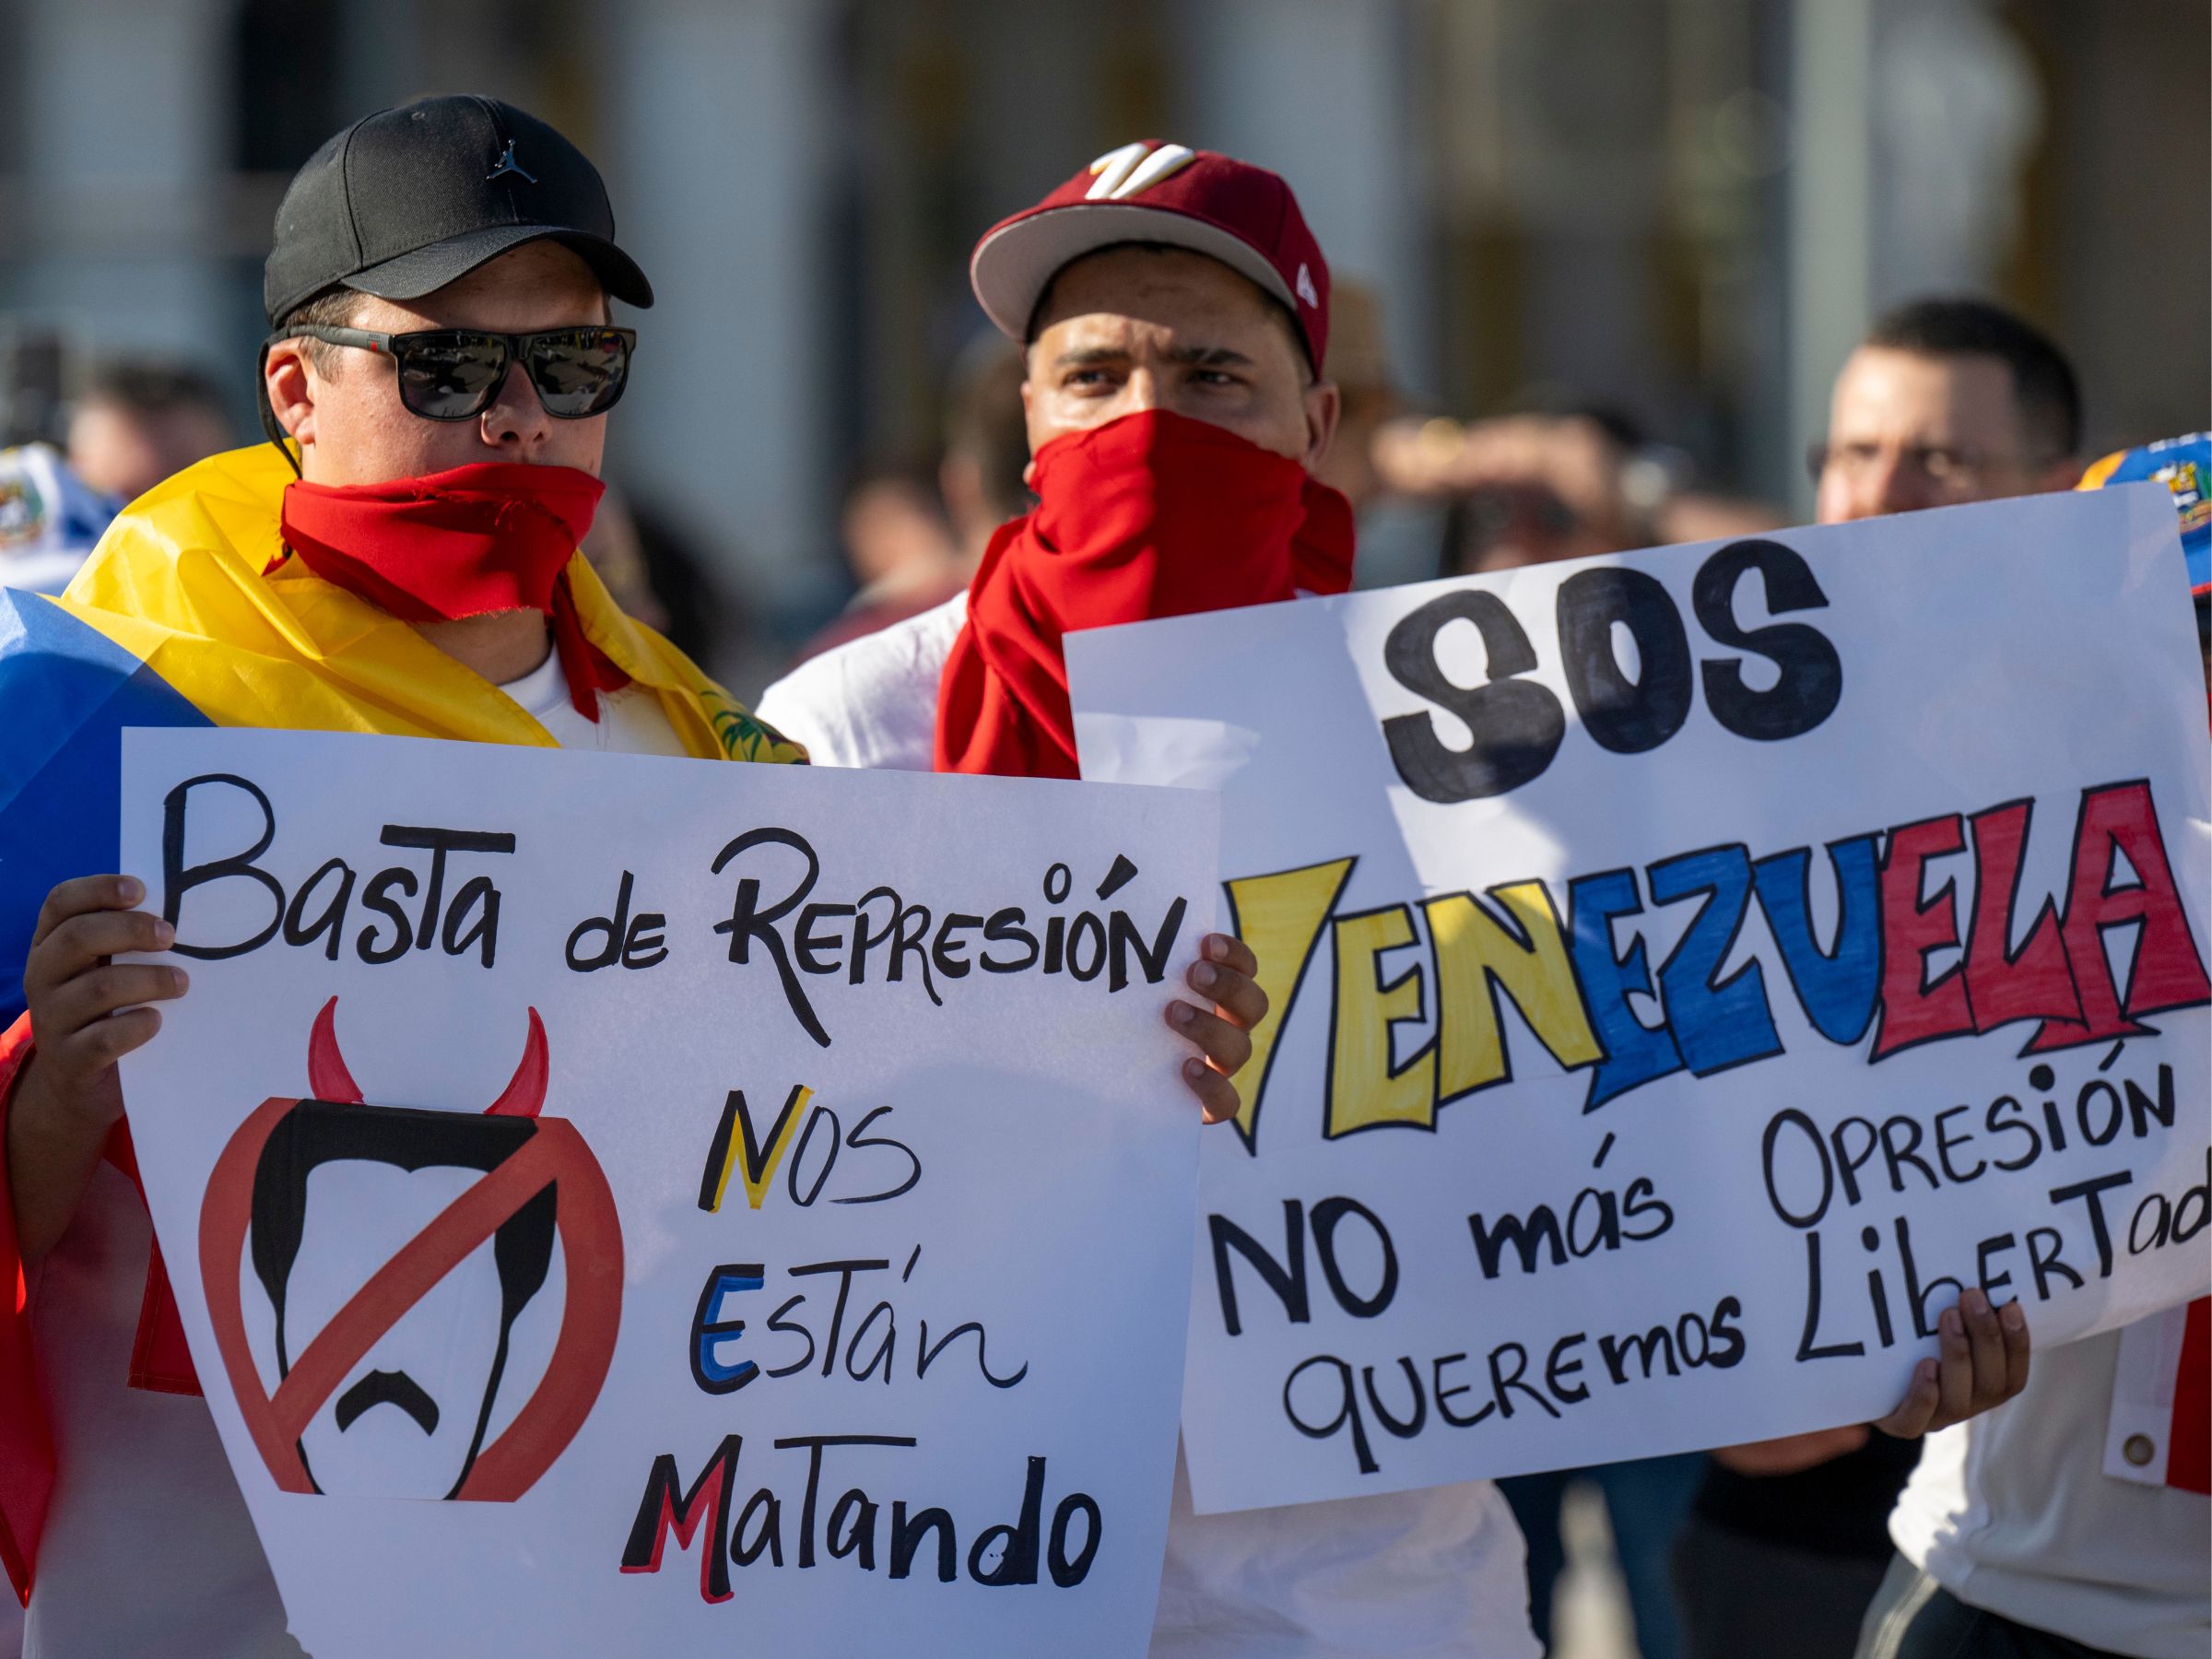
x,y
617,551
1368,398
49,518
1944,401
984,475
912,546
1528,488
896,536
1534,486
1398,530
2077,1520
899,547
1646,1501
139,420
656,574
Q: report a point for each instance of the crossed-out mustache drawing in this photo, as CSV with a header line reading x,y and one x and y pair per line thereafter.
x,y
395,1276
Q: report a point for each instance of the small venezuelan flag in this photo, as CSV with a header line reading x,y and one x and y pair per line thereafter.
x,y
67,691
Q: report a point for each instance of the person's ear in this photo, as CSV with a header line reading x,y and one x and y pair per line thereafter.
x,y
289,379
1324,408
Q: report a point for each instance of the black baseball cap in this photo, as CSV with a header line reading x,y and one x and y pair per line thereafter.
x,y
405,200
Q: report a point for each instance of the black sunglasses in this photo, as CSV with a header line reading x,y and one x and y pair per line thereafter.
x,y
453,373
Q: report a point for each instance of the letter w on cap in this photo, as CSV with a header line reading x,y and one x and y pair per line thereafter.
x,y
1133,168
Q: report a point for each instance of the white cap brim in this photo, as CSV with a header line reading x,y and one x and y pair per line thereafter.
x,y
1016,263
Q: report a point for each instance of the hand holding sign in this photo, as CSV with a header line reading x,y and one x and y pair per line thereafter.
x,y
1982,1363
1224,977
88,1012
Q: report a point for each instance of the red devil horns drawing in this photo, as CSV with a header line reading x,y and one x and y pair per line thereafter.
x,y
327,1076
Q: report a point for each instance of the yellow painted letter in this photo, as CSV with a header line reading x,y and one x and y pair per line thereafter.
x,y
1529,963
1280,916
1364,1092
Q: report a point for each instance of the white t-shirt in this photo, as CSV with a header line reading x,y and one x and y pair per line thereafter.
x,y
631,721
149,1552
1402,1575
2012,1512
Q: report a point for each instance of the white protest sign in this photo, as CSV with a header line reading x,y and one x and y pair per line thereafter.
x,y
1690,969
794,1247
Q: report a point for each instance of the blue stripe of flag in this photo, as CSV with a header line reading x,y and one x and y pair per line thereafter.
x,y
67,691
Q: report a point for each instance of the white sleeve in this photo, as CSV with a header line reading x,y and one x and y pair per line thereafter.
x,y
872,703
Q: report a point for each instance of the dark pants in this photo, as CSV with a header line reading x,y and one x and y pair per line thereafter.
x,y
1745,1598
1915,1617
1645,1502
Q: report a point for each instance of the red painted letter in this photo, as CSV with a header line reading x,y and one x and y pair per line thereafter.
x,y
1912,1012
2035,983
2168,971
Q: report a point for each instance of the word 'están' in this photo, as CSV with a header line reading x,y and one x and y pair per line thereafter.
x,y
1570,981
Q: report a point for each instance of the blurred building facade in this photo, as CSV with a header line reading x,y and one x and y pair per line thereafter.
x,y
1683,208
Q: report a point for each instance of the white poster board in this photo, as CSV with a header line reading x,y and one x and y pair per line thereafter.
x,y
856,1300
1657,944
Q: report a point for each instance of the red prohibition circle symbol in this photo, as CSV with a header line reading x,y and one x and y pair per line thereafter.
x,y
552,1155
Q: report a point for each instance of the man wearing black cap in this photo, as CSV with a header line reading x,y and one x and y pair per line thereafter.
x,y
441,361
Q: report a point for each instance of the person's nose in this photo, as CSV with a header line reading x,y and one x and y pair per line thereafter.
x,y
1893,484
516,419
1143,391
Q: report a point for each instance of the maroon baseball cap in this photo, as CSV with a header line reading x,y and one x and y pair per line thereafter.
x,y
1150,192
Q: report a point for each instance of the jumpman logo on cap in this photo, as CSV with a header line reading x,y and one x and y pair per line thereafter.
x,y
507,164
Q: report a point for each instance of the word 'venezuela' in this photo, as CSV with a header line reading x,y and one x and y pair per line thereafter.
x,y
1569,982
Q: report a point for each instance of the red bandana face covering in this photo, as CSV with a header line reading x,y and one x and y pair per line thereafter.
x,y
1152,515
495,536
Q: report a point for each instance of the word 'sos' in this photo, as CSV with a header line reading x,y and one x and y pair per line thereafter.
x,y
1518,723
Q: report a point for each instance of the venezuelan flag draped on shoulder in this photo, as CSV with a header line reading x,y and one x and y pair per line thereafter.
x,y
188,613
178,619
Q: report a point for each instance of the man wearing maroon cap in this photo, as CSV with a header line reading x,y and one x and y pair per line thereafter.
x,y
1175,309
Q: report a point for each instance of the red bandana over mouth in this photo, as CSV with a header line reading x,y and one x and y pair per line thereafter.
x,y
1155,514
492,536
